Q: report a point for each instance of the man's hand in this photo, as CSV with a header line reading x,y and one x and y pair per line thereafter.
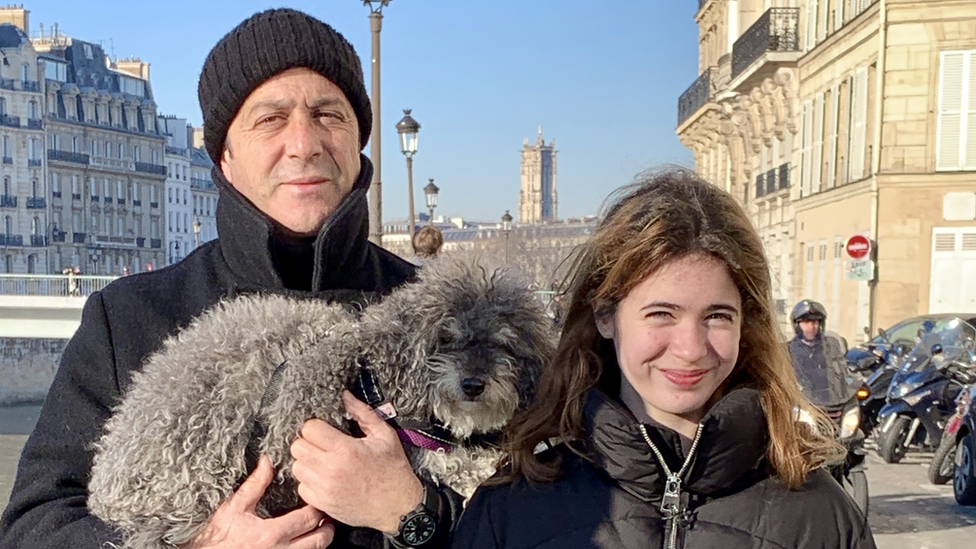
x,y
236,524
358,481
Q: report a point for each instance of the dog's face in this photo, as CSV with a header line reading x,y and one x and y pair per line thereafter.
x,y
480,339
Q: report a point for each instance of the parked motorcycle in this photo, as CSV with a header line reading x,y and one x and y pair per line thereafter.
x,y
943,462
923,391
880,367
964,471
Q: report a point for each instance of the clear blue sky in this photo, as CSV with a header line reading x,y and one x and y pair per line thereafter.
x,y
601,77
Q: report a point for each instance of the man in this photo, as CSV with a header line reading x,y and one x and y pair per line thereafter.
x,y
286,115
818,356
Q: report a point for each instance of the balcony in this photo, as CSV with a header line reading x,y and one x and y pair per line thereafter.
x,y
8,201
697,95
12,239
38,240
34,162
154,204
204,184
58,236
7,83
155,243
8,160
150,168
141,241
75,196
119,164
31,86
8,120
65,156
108,199
120,201
137,202
78,238
773,181
56,194
35,124
774,38
36,203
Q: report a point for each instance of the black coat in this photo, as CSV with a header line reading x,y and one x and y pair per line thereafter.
x,y
614,500
131,318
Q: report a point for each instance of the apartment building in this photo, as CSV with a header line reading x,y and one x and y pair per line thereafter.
x,y
840,118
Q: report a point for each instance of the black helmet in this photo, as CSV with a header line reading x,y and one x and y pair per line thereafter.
x,y
808,310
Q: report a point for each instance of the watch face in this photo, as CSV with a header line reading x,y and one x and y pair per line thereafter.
x,y
418,530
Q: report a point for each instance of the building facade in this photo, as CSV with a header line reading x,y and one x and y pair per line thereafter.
x,y
179,235
24,211
538,199
204,195
104,159
836,118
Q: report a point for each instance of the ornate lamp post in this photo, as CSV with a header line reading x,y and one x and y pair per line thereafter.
x,y
196,233
407,127
375,187
506,228
430,193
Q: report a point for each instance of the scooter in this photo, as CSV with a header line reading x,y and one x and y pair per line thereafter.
x,y
923,391
882,370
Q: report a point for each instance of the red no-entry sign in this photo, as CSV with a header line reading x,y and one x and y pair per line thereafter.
x,y
858,247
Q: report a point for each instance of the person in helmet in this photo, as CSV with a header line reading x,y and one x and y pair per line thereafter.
x,y
817,355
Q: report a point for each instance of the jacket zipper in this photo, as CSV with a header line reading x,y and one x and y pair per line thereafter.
x,y
671,505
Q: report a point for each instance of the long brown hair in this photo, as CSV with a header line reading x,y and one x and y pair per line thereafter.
x,y
662,217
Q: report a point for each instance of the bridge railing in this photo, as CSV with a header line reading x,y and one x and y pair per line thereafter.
x,y
52,285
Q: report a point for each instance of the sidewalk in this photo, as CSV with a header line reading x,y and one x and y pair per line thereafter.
x,y
15,424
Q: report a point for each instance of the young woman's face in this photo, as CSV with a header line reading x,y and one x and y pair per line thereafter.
x,y
676,335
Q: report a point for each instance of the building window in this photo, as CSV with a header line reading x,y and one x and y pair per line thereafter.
x,y
185,202
169,195
56,183
6,186
75,144
108,149
94,147
32,110
6,146
136,153
955,150
121,151
33,152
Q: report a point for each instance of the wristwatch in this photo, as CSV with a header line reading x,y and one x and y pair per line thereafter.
x,y
419,527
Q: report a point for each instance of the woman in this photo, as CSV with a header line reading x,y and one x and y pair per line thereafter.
x,y
667,416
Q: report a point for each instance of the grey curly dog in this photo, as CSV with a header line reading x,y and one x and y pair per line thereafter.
x,y
463,345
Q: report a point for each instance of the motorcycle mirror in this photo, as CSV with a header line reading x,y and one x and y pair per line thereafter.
x,y
937,349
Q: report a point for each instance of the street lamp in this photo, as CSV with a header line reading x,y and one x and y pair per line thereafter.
x,y
430,193
506,228
196,233
407,127
95,254
375,194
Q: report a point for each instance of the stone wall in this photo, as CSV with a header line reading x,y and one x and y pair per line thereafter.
x,y
27,368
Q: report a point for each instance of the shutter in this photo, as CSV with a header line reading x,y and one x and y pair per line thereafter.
x,y
832,136
945,242
949,143
859,111
818,122
822,18
969,90
805,175
811,24
839,14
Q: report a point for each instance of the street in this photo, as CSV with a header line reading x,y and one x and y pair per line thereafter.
x,y
906,512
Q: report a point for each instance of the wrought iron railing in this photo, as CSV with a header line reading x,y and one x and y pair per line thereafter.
x,y
53,285
784,176
9,120
150,168
67,156
155,243
12,239
78,238
36,203
776,30
35,124
8,201
31,86
34,162
697,95
38,240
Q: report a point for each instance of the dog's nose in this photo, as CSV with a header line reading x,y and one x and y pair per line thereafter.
x,y
472,386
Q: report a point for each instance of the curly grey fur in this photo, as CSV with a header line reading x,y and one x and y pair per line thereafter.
x,y
174,449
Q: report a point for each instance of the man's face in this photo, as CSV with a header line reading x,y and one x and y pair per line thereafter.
x,y
810,329
293,149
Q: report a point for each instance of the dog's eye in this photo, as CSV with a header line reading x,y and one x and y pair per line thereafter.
x,y
443,340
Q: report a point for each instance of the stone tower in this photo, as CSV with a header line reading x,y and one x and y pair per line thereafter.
x,y
537,199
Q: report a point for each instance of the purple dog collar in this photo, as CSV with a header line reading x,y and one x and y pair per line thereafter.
x,y
423,440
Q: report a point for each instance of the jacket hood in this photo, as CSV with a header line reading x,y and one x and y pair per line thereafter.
x,y
730,455
247,238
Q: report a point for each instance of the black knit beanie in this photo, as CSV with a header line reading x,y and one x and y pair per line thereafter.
x,y
264,45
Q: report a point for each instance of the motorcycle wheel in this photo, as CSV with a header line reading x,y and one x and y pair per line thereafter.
x,y
941,467
892,445
964,479
856,485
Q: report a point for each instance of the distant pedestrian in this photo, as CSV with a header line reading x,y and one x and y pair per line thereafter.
x,y
427,243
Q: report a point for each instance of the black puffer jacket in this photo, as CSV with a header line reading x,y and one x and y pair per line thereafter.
x,y
730,496
129,320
